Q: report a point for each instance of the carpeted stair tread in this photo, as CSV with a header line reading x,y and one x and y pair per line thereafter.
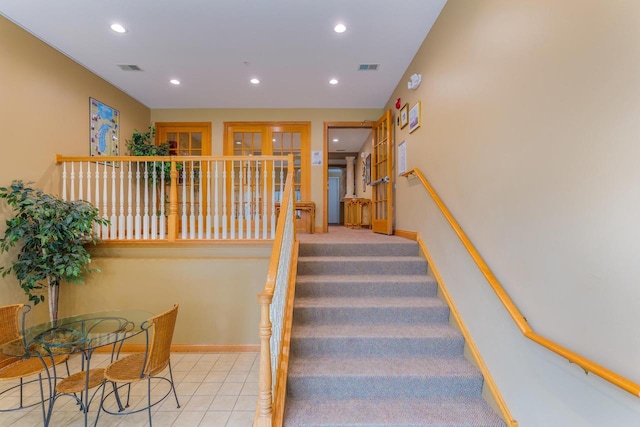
x,y
379,302
407,248
427,412
367,265
356,286
382,340
382,367
379,331
364,278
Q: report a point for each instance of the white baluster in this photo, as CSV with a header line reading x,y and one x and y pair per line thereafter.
x,y
184,200
154,204
138,219
129,203
248,211
200,206
114,217
256,206
233,201
73,182
145,216
192,215
241,201
265,200
64,181
121,219
208,218
89,182
224,200
98,229
105,202
80,182
163,220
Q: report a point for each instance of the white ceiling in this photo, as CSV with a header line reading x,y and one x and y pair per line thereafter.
x,y
214,47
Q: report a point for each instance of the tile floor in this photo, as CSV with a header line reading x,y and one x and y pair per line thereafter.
x,y
214,389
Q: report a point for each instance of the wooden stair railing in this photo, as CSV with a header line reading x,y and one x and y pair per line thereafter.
x,y
585,363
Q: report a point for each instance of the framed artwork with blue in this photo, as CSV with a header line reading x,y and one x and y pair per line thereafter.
x,y
104,129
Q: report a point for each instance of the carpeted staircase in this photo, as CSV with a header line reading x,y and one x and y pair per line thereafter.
x,y
371,344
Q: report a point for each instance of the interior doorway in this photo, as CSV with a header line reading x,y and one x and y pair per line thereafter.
x,y
343,140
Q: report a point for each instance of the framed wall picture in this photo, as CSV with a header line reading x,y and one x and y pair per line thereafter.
x,y
104,125
414,117
404,116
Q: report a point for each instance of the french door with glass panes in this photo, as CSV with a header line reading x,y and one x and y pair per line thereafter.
x,y
188,139
268,139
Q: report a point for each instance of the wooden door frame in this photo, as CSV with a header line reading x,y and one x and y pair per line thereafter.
x,y
366,124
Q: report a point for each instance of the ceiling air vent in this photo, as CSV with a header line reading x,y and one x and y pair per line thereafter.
x,y
125,67
365,67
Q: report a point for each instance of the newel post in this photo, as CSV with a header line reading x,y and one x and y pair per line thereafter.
x,y
264,411
172,221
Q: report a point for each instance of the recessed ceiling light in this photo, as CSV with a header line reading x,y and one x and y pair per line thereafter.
x,y
174,81
118,28
254,81
333,81
238,142
340,28
335,140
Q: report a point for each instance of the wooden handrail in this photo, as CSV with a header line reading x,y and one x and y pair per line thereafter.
x,y
264,407
513,311
60,158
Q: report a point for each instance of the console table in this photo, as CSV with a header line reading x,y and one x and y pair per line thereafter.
x,y
357,213
305,213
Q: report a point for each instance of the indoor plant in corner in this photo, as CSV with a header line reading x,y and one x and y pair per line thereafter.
x,y
53,234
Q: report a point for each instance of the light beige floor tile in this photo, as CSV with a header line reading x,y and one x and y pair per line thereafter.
x,y
210,357
189,419
241,419
215,419
230,389
198,403
246,403
216,377
235,377
187,389
208,389
195,377
223,403
249,389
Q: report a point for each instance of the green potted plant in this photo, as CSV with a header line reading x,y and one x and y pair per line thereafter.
x,y
53,234
141,144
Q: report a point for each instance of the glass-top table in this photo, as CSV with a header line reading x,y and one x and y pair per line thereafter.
x,y
78,333
83,333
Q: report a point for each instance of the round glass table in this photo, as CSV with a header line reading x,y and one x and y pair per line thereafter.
x,y
83,333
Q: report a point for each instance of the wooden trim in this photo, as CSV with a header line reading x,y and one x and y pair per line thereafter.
x,y
280,394
488,379
512,309
190,348
411,235
325,162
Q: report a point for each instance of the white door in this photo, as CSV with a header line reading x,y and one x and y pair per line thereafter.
x,y
333,200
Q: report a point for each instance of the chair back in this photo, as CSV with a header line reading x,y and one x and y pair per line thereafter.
x,y
9,324
160,348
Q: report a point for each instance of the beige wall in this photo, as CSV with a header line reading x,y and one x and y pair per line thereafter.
x,y
44,110
317,117
530,136
216,285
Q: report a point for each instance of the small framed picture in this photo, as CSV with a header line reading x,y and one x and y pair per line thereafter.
x,y
404,116
414,117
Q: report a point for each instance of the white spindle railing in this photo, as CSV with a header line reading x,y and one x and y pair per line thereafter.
x,y
216,197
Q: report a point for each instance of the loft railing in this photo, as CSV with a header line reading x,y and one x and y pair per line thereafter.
x,y
178,197
276,311
518,318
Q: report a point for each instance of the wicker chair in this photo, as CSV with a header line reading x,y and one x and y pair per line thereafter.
x,y
144,366
18,368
